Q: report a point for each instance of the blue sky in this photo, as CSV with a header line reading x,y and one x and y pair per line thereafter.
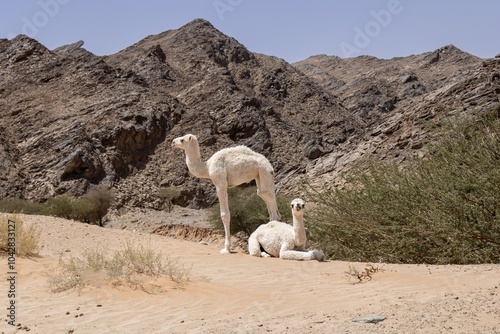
x,y
289,29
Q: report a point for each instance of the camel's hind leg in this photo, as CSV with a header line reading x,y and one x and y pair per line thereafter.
x,y
267,191
301,255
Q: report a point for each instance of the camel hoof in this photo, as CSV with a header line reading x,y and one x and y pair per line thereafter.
x,y
225,251
319,255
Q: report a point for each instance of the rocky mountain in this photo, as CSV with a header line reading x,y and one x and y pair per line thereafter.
x,y
395,97
71,120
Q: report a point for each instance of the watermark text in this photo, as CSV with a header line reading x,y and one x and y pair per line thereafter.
x,y
11,272
223,6
363,36
32,24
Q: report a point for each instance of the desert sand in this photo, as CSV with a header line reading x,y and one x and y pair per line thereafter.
x,y
237,293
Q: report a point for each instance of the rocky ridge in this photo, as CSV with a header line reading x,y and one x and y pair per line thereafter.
x,y
71,120
396,97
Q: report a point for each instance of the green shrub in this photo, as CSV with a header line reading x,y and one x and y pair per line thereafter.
x,y
81,209
85,211
248,210
60,206
167,195
441,209
17,205
90,208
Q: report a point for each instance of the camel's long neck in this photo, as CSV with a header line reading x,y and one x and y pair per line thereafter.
x,y
196,166
299,230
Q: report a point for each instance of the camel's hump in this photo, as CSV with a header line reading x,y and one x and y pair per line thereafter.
x,y
240,158
237,150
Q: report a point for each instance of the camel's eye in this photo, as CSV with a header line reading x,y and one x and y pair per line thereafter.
x,y
182,140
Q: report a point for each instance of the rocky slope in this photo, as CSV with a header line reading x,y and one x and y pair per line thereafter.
x,y
71,120
396,98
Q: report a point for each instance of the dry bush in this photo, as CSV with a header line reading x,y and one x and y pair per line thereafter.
x,y
177,272
27,238
67,276
95,259
101,200
129,266
364,275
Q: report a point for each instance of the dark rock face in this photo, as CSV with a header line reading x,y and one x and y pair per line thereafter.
x,y
71,120
76,120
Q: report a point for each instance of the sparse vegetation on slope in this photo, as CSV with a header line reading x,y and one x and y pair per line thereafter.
x,y
90,208
129,266
442,209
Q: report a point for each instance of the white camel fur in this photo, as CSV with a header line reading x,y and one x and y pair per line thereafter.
x,y
283,240
227,168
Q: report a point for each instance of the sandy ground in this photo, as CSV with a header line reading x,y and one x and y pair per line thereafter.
x,y
237,293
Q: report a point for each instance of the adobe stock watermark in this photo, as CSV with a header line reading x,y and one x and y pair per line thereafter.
x,y
223,6
31,24
363,36
11,272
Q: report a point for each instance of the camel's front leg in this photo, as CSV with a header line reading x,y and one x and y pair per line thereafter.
x,y
226,218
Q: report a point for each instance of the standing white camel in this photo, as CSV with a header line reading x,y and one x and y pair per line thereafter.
x,y
227,168
283,240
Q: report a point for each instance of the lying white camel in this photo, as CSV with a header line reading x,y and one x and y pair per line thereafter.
x,y
227,168
283,240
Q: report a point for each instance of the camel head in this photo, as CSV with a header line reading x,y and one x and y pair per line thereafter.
x,y
298,206
185,141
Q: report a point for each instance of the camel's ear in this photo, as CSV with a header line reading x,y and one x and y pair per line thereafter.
x,y
190,137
